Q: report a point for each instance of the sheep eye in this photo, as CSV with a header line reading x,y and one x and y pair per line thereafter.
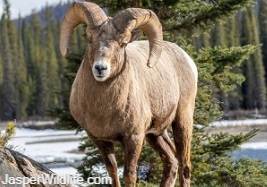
x,y
123,45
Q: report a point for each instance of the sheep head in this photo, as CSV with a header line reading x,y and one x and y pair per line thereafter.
x,y
108,37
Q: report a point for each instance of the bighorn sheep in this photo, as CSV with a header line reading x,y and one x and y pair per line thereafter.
x,y
128,90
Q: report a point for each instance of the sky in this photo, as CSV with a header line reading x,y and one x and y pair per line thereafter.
x,y
25,7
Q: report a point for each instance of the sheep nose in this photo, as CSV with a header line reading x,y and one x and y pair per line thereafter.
x,y
100,68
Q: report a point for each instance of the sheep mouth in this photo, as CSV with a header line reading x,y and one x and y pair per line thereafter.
x,y
101,78
100,75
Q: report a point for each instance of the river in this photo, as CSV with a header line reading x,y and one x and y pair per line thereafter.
x,y
57,149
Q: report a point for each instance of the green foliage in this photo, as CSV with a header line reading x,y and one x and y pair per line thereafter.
x,y
254,87
216,73
8,133
29,88
32,65
8,90
32,71
91,161
15,89
263,30
211,159
66,121
145,184
62,112
52,63
21,84
183,14
219,73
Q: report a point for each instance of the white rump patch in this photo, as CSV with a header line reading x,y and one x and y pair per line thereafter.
x,y
191,63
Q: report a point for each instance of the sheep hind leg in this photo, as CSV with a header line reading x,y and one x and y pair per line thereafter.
x,y
169,141
108,154
182,134
164,147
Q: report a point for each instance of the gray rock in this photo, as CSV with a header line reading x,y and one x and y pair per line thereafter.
x,y
18,168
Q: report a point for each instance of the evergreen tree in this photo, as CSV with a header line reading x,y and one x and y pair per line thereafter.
x,y
263,31
1,80
254,88
21,83
51,61
15,88
29,56
66,121
8,92
205,40
61,66
219,39
233,32
233,39
211,154
1,69
30,69
219,35
37,67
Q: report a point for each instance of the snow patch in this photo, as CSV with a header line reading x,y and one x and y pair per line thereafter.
x,y
246,122
254,145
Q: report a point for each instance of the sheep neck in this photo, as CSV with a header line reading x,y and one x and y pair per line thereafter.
x,y
101,96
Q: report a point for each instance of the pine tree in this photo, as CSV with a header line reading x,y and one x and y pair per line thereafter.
x,y
1,69
219,35
51,61
233,32
62,62
22,85
30,53
254,88
66,121
15,89
37,67
263,31
211,154
9,110
1,81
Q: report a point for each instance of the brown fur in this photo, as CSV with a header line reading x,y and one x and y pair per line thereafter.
x,y
136,102
138,99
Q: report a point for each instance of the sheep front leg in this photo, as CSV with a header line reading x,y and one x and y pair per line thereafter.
x,y
108,154
132,145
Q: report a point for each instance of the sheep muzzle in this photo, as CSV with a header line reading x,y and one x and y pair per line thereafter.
x,y
101,69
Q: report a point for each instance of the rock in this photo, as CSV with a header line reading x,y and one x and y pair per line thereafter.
x,y
22,171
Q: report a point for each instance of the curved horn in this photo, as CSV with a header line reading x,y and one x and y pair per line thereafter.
x,y
146,20
79,12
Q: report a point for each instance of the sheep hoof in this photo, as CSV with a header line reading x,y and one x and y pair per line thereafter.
x,y
150,65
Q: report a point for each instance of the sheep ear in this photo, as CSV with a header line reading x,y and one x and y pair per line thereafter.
x,y
88,33
136,34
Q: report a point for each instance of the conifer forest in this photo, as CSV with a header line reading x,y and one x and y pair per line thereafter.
x,y
227,39
32,69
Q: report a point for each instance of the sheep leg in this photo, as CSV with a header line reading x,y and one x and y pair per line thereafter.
x,y
182,134
132,146
108,154
167,154
169,141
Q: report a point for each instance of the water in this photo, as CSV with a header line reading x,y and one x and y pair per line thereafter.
x,y
58,148
255,154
